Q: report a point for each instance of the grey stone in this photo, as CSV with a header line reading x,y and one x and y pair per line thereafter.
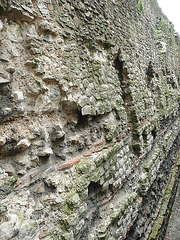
x,y
28,229
9,169
57,132
4,205
86,110
47,151
10,228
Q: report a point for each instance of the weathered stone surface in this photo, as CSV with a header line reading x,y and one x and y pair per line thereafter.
x,y
89,118
10,228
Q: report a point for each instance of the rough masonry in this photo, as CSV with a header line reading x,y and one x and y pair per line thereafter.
x,y
89,104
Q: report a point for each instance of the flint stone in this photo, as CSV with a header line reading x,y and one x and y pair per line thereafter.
x,y
18,96
3,80
45,152
6,111
2,141
1,25
23,144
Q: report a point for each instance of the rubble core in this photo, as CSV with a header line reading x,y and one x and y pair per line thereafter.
x,y
89,119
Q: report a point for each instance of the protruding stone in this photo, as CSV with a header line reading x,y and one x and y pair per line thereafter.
x,y
6,111
10,69
57,132
47,151
36,87
9,169
21,172
86,110
29,229
1,25
18,96
3,80
2,140
23,144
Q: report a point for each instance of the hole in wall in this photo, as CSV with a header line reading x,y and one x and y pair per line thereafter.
x,y
119,68
149,74
136,149
154,133
43,159
144,135
82,120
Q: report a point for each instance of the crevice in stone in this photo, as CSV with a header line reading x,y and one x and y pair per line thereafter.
x,y
92,213
49,188
154,133
149,74
43,159
144,135
82,121
128,104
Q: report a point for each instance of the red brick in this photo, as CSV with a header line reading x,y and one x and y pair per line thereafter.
x,y
68,164
43,235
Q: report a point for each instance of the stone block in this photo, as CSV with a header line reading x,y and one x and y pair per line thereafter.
x,y
86,110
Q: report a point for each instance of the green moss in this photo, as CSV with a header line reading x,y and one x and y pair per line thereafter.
x,y
148,166
82,183
140,6
109,131
65,209
86,166
9,183
73,200
21,219
102,236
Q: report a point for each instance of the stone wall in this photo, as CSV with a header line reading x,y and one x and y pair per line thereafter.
x,y
89,103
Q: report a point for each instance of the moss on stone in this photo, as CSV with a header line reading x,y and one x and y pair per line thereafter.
x,y
73,200
86,166
140,6
82,183
8,183
164,205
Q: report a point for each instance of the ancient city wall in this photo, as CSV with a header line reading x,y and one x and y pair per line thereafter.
x,y
89,104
